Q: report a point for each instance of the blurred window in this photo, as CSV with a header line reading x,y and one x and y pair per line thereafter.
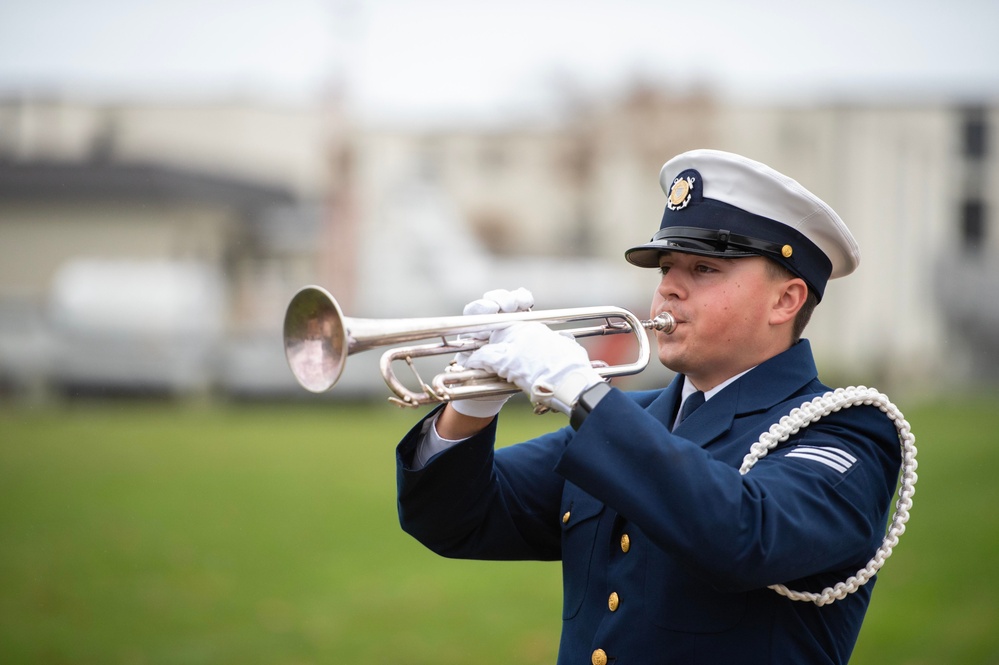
x,y
975,134
973,224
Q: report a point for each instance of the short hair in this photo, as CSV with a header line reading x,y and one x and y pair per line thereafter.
x,y
778,272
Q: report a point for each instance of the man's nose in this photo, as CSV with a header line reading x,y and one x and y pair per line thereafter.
x,y
671,285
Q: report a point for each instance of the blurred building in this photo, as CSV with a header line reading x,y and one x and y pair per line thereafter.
x,y
109,214
245,203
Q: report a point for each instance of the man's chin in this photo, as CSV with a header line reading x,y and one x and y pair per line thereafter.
x,y
672,363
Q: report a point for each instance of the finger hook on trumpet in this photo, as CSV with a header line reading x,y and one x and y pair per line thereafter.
x,y
318,338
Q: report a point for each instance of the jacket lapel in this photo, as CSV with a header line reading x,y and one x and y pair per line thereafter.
x,y
711,419
770,383
665,405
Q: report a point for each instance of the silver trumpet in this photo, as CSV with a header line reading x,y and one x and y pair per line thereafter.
x,y
318,338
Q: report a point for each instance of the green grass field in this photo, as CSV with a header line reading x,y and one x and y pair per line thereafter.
x,y
162,533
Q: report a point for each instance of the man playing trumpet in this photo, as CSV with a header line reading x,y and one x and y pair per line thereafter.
x,y
667,550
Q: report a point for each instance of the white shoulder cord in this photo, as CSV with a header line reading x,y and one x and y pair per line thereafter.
x,y
808,413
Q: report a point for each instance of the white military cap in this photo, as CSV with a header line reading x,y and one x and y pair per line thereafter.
x,y
723,204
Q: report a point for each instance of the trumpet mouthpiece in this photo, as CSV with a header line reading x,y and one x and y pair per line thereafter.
x,y
662,323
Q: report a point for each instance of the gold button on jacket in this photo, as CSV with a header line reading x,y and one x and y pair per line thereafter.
x,y
599,657
613,601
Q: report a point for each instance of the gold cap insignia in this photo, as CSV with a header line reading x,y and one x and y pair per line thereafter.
x,y
679,193
786,251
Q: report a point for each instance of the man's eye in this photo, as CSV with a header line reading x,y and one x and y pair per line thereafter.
x,y
705,268
663,270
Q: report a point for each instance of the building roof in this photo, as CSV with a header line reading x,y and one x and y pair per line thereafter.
x,y
54,181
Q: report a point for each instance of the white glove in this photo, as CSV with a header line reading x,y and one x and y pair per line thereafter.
x,y
492,302
500,300
551,367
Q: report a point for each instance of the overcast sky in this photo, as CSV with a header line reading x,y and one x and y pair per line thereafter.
x,y
440,57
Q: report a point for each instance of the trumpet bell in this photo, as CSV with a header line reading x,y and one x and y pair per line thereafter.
x,y
316,341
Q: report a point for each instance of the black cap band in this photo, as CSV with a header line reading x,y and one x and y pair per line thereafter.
x,y
718,241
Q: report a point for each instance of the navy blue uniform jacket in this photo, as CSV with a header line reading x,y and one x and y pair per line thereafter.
x,y
664,521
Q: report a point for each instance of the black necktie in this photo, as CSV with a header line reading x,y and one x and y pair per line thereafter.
x,y
693,401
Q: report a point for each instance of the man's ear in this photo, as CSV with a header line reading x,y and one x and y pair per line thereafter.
x,y
791,296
